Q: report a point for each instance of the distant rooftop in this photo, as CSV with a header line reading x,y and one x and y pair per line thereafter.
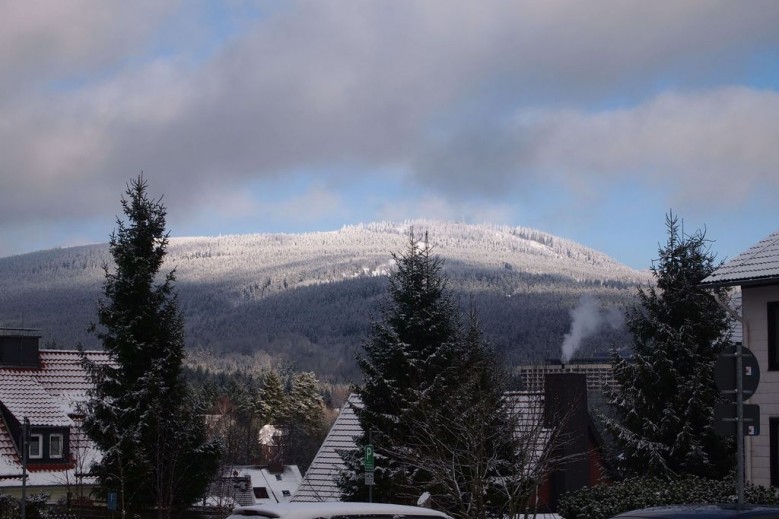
x,y
758,264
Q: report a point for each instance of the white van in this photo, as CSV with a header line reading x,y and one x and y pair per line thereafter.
x,y
334,510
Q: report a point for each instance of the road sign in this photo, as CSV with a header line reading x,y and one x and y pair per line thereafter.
x,y
369,464
725,373
725,419
112,501
369,478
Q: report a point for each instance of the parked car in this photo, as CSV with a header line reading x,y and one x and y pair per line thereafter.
x,y
729,511
334,510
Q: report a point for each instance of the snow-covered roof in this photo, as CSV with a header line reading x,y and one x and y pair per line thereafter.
x,y
758,264
48,396
280,486
319,483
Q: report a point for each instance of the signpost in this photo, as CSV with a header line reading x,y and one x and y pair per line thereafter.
x,y
737,374
725,373
369,464
726,419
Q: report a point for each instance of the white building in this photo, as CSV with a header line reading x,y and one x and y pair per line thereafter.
x,y
756,271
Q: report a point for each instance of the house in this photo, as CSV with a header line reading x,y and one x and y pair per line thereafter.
x,y
756,272
564,394
43,388
254,485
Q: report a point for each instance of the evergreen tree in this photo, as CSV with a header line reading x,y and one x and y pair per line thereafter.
x,y
140,414
664,394
273,404
424,379
306,427
307,406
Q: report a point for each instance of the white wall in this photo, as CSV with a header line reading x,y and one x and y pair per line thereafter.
x,y
754,301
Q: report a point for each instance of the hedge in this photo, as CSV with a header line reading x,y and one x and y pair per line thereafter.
x,y
606,500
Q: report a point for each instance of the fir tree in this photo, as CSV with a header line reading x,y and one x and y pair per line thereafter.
x,y
307,427
664,394
273,404
140,414
424,382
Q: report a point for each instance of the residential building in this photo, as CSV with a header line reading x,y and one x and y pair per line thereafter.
x,y
254,485
45,389
756,272
597,370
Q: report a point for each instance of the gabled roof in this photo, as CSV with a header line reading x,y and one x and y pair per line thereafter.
x,y
63,376
24,397
48,396
758,264
319,483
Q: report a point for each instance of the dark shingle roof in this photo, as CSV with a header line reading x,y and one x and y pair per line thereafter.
x,y
319,484
758,264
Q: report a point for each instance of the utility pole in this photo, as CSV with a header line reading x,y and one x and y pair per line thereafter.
x,y
25,453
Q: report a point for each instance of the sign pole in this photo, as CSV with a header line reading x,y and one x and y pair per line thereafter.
x,y
25,452
740,424
370,444
737,375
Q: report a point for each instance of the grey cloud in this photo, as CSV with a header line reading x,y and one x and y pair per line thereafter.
x,y
369,85
703,144
43,43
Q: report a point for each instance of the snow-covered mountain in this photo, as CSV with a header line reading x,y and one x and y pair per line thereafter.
x,y
307,298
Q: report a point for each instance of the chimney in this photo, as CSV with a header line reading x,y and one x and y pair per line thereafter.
x,y
565,406
19,347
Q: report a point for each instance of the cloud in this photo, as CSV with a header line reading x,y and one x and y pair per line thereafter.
x,y
513,93
43,43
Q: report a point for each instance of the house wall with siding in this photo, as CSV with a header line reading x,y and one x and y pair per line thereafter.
x,y
754,301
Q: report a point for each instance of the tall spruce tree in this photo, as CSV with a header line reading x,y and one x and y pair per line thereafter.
x,y
664,394
155,450
424,381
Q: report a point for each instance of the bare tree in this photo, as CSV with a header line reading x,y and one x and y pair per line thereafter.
x,y
470,477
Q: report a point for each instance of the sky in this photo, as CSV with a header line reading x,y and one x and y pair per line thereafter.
x,y
588,120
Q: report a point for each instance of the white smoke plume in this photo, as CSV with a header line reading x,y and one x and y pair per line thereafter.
x,y
587,319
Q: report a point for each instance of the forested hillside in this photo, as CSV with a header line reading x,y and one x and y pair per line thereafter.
x,y
308,298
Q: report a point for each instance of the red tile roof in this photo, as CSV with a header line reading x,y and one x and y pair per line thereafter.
x,y
47,396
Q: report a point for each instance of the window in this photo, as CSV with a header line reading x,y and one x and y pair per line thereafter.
x,y
56,445
260,492
773,428
773,336
34,445
278,477
286,493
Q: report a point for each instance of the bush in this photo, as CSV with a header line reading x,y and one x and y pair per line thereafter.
x,y
606,500
36,506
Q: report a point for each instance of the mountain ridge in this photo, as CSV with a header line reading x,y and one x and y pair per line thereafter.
x,y
308,298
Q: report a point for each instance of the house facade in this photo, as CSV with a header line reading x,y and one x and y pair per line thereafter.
x,y
756,272
40,393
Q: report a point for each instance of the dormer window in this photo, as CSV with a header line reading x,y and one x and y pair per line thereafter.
x,y
35,447
56,444
47,445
